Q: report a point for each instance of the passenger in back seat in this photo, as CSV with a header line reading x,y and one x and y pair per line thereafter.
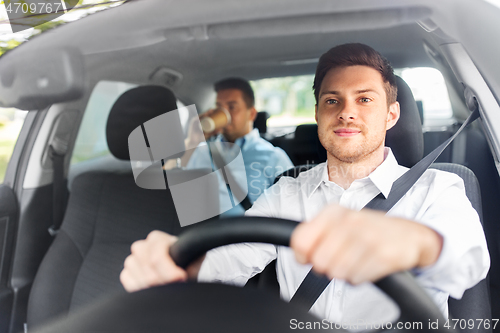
x,y
262,161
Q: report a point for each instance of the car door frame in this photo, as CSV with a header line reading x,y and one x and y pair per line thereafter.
x,y
13,204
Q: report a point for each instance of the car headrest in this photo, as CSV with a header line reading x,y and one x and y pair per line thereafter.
x,y
260,121
133,108
306,132
406,138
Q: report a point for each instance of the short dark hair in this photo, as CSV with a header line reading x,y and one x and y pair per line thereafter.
x,y
240,84
354,54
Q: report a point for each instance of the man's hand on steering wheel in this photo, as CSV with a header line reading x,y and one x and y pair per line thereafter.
x,y
341,243
363,246
149,264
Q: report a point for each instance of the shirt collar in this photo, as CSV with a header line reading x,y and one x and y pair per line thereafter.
x,y
317,176
382,177
386,173
250,136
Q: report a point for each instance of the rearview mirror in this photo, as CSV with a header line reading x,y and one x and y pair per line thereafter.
x,y
31,81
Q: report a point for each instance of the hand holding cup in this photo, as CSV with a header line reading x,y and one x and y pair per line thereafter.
x,y
215,120
212,123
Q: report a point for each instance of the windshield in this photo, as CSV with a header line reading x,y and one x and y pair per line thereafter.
x,y
16,27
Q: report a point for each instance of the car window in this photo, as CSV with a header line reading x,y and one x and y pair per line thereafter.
x,y
91,140
429,89
290,100
11,121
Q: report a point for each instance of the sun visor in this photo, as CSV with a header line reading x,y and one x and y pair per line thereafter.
x,y
306,24
31,81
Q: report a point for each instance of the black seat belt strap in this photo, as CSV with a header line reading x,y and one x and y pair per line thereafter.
x,y
57,151
57,190
310,289
314,285
406,181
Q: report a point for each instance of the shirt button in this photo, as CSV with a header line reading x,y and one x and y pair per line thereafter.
x,y
339,293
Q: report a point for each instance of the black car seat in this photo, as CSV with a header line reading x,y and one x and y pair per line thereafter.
x,y
260,122
406,142
106,213
471,149
304,145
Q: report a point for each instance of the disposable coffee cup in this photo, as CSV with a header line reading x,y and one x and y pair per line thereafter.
x,y
217,120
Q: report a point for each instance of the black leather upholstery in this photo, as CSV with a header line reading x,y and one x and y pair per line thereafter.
x,y
106,213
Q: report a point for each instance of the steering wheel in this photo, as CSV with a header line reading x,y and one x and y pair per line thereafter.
x,y
205,307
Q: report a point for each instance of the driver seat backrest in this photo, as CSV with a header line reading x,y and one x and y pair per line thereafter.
x,y
406,142
106,213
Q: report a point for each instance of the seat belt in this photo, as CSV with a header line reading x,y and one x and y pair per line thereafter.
x,y
57,150
313,285
58,187
220,163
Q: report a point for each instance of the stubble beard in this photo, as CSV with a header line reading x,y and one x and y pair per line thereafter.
x,y
353,154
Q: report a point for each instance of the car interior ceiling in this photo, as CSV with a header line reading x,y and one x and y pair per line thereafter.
x,y
273,56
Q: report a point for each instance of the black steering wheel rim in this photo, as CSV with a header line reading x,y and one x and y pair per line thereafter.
x,y
413,301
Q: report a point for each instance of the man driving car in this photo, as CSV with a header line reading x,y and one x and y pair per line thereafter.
x,y
432,230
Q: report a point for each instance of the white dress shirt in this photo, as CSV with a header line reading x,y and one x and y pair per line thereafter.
x,y
437,200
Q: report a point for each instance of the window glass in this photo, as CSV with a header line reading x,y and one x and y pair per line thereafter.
x,y
429,89
91,140
11,121
290,100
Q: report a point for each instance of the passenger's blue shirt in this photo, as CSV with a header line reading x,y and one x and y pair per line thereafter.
x,y
262,163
